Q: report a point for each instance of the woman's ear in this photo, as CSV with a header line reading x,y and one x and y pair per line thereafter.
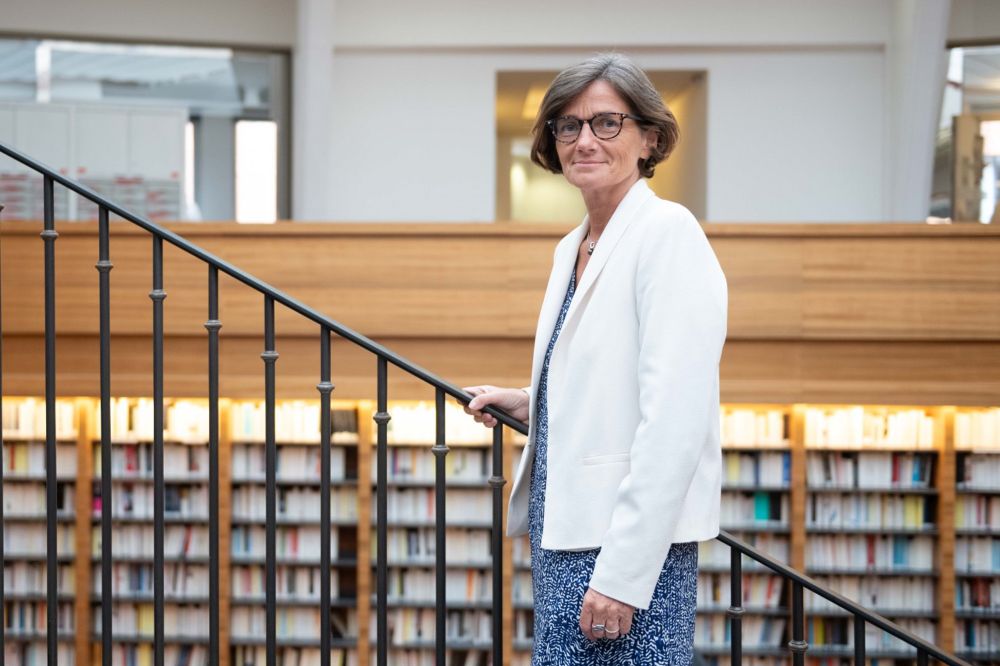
x,y
649,141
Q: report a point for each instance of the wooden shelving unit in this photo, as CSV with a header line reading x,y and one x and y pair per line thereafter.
x,y
955,466
298,532
24,562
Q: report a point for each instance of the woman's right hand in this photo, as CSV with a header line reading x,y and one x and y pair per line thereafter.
x,y
514,401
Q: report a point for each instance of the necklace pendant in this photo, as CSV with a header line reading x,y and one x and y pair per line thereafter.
x,y
590,248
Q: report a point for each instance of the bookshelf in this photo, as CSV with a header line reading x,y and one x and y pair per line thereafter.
x,y
299,570
24,534
872,527
977,533
186,516
756,507
896,507
411,536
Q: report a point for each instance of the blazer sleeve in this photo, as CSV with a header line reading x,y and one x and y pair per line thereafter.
x,y
681,304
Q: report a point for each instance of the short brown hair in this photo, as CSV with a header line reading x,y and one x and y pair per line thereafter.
x,y
628,81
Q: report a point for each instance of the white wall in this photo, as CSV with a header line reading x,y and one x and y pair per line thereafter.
x,y
793,134
800,93
413,137
564,23
795,99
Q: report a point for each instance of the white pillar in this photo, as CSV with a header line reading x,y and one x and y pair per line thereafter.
x,y
311,110
917,61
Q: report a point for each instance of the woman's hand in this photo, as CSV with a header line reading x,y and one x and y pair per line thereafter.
x,y
511,400
604,617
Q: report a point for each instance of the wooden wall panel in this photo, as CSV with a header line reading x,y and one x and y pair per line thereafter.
x,y
752,372
901,288
818,313
462,362
764,276
381,285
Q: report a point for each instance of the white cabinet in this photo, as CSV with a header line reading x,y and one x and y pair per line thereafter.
x,y
131,155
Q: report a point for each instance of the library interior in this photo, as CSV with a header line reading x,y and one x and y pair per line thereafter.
x,y
349,226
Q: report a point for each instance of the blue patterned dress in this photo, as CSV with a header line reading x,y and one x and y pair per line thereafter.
x,y
661,635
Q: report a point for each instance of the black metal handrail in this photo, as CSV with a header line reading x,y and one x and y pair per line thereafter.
x,y
327,327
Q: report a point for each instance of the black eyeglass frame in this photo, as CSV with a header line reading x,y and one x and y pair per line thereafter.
x,y
551,124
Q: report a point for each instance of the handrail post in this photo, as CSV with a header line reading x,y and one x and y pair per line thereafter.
x,y
497,483
49,236
859,640
325,388
798,644
440,450
381,418
212,325
270,357
736,609
157,295
104,266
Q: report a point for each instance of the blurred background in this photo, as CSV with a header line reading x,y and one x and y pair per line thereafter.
x,y
254,110
860,378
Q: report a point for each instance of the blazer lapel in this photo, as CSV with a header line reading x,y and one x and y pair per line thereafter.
x,y
619,222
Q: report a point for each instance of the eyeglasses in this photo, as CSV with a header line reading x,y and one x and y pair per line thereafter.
x,y
566,129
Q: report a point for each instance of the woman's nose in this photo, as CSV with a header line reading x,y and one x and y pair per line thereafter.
x,y
586,137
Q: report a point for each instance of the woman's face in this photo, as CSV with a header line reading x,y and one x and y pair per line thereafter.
x,y
596,165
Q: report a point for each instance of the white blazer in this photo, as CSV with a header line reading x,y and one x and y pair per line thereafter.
x,y
634,457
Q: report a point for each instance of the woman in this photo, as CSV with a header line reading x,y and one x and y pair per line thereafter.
x,y
621,475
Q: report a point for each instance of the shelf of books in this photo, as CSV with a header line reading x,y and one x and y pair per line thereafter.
x,y
977,534
299,569
186,515
872,523
24,530
895,507
756,499
411,536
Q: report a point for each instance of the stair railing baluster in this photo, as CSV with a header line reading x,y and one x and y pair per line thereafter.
x,y
212,325
381,508
798,644
270,357
440,450
325,388
859,640
157,295
104,266
497,482
736,610
49,236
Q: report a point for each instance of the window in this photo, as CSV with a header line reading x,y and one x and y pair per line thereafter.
x,y
116,95
256,171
